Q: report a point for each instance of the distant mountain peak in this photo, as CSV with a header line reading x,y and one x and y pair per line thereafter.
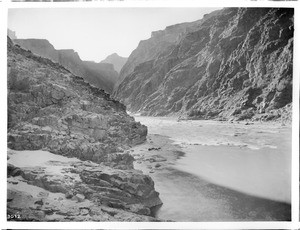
x,y
114,55
100,75
117,61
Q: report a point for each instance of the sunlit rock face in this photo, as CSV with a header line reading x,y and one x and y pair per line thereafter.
x,y
77,185
48,107
235,63
51,109
100,75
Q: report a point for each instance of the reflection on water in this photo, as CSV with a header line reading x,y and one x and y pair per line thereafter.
x,y
229,171
264,173
189,198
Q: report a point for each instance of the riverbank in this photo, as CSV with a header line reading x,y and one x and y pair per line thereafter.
x,y
200,182
196,182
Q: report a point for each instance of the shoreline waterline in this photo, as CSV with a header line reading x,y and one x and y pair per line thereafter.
x,y
192,183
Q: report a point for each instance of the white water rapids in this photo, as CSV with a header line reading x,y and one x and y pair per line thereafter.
x,y
254,159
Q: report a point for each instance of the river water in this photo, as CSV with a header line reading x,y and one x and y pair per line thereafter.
x,y
230,171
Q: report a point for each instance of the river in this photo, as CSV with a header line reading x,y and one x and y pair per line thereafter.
x,y
230,171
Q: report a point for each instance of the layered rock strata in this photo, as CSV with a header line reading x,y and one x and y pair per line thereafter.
x,y
51,109
100,75
86,191
235,63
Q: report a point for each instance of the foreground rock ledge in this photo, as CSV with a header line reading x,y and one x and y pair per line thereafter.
x,y
70,189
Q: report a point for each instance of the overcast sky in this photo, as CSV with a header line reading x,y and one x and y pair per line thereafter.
x,y
97,33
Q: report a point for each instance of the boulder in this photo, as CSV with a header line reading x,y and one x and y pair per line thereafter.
x,y
80,197
13,171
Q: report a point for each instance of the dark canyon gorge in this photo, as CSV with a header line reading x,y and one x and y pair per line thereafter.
x,y
77,153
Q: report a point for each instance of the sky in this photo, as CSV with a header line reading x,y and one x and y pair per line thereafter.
x,y
96,33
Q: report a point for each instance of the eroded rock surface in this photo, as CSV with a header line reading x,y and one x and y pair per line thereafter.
x,y
51,109
88,184
234,63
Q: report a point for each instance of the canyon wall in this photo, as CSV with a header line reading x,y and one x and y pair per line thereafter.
x,y
235,63
97,74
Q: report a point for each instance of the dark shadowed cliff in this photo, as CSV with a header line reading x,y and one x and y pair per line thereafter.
x,y
109,75
234,63
51,109
97,74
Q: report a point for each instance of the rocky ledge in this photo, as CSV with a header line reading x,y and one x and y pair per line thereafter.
x,y
64,189
53,110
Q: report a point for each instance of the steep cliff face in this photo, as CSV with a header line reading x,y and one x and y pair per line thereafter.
x,y
101,76
40,47
49,108
159,45
71,61
234,63
107,71
117,61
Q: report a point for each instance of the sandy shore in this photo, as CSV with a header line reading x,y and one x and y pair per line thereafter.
x,y
157,154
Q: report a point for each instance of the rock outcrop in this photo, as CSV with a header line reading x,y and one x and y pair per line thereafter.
x,y
51,109
235,63
117,61
78,185
98,74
